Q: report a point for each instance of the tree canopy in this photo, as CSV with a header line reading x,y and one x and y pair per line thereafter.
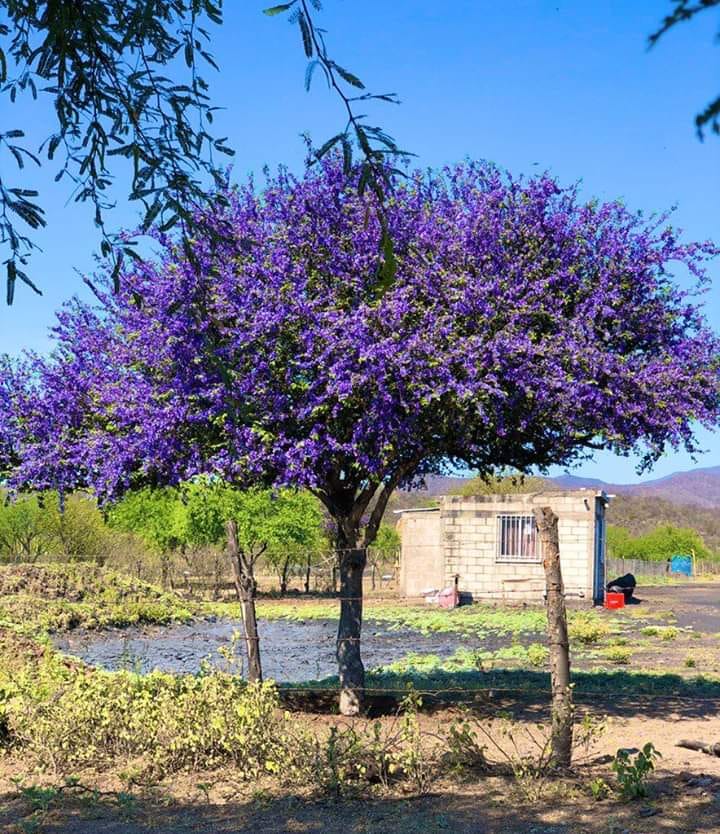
x,y
657,545
126,82
524,327
503,483
271,522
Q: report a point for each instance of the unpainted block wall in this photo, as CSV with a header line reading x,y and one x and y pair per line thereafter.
x,y
422,556
470,532
461,537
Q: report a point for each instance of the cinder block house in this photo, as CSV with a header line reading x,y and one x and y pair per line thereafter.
x,y
491,543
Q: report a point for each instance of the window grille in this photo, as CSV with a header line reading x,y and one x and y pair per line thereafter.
x,y
518,539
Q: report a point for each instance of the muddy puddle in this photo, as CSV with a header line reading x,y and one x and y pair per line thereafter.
x,y
292,651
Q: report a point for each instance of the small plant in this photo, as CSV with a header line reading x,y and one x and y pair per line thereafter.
x,y
586,627
632,774
690,662
663,632
464,753
599,789
39,798
537,654
618,654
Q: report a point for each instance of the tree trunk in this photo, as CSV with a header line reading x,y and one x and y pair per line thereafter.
x,y
350,666
559,644
283,577
246,588
307,575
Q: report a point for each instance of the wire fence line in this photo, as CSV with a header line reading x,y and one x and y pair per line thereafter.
x,y
323,567
659,568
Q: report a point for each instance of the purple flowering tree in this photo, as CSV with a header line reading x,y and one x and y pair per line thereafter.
x,y
523,328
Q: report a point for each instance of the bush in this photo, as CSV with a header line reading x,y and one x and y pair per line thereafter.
x,y
537,654
618,654
586,627
632,774
171,722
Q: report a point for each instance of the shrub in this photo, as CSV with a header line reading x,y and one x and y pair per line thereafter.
x,y
172,722
586,627
537,654
632,774
618,654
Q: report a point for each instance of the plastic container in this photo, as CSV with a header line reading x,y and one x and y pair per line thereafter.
x,y
614,600
449,598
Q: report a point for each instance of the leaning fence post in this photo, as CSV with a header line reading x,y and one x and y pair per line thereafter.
x,y
245,587
559,644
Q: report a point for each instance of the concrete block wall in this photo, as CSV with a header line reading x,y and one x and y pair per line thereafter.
x,y
470,531
422,554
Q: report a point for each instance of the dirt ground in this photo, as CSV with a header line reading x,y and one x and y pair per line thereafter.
x,y
684,790
685,795
694,605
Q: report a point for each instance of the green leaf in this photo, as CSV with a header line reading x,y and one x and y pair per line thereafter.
x,y
282,7
11,277
328,145
309,73
306,35
348,76
388,269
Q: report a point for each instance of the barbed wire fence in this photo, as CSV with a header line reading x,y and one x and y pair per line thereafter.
x,y
315,575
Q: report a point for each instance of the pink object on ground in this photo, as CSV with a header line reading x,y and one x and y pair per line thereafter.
x,y
449,598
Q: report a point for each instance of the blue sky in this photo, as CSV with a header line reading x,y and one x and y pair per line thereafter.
x,y
529,84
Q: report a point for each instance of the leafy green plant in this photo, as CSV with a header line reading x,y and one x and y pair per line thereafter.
x,y
586,627
599,789
633,773
618,654
537,654
464,753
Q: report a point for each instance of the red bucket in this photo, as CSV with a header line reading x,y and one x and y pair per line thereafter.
x,y
614,600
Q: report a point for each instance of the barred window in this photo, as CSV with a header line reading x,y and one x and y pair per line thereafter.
x,y
518,539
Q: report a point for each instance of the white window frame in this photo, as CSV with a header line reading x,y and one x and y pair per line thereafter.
x,y
508,523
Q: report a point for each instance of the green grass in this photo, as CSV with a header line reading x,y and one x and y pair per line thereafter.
x,y
479,619
470,619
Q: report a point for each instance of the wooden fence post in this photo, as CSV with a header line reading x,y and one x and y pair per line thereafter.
x,y
561,704
245,586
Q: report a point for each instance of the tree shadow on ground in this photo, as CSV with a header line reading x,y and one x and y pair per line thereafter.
x,y
524,692
481,807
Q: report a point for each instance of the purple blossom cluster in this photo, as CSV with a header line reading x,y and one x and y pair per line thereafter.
x,y
523,328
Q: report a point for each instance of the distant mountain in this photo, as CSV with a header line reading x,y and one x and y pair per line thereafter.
x,y
698,487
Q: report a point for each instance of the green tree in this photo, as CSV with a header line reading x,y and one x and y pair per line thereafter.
x,y
23,528
619,542
658,545
158,518
76,527
280,526
251,523
504,483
